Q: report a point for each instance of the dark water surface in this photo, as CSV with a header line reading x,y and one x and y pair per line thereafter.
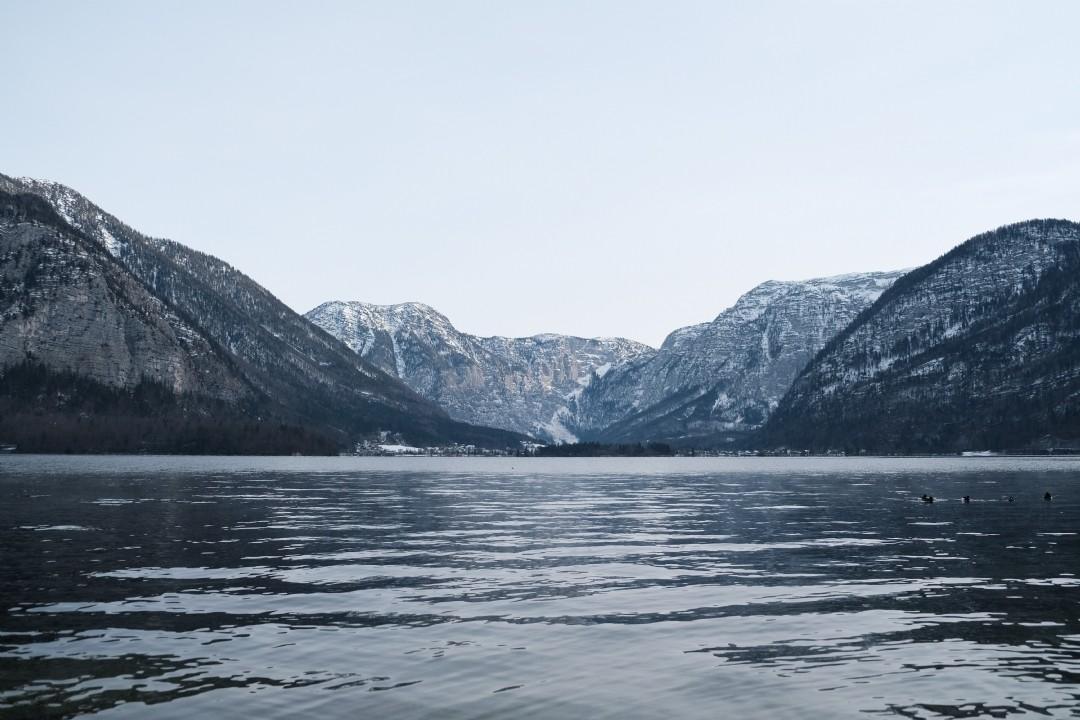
x,y
454,588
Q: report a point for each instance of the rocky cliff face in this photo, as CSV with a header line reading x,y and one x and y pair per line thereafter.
x,y
66,303
978,350
86,293
523,384
720,379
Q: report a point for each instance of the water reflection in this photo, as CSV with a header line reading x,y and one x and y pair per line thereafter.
x,y
175,588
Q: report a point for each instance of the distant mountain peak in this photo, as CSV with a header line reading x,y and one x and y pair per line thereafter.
x,y
726,375
524,384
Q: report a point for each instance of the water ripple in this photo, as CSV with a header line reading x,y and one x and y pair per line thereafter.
x,y
173,588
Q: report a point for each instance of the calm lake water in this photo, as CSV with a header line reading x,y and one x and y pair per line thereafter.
x,y
454,588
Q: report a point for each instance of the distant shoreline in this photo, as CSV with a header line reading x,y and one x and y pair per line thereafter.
x,y
416,456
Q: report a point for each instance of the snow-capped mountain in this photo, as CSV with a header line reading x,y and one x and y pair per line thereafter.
x,y
524,384
722,378
84,295
109,337
980,349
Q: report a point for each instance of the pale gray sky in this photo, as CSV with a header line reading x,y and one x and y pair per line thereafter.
x,y
595,168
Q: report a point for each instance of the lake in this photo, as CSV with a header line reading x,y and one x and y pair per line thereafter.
x,y
171,587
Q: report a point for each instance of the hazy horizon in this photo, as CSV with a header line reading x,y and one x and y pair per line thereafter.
x,y
607,169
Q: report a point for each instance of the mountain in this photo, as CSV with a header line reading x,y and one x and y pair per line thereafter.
x,y
980,349
523,384
91,305
713,382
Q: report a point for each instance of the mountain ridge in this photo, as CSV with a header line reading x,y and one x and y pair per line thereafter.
x,y
524,383
89,304
978,349
716,380
299,372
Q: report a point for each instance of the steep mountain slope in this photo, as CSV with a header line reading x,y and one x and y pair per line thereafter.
x,y
113,306
523,384
714,381
980,349
69,305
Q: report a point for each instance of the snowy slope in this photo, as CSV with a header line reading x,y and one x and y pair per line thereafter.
x,y
725,376
524,384
978,349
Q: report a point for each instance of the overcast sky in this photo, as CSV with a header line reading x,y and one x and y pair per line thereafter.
x,y
594,168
